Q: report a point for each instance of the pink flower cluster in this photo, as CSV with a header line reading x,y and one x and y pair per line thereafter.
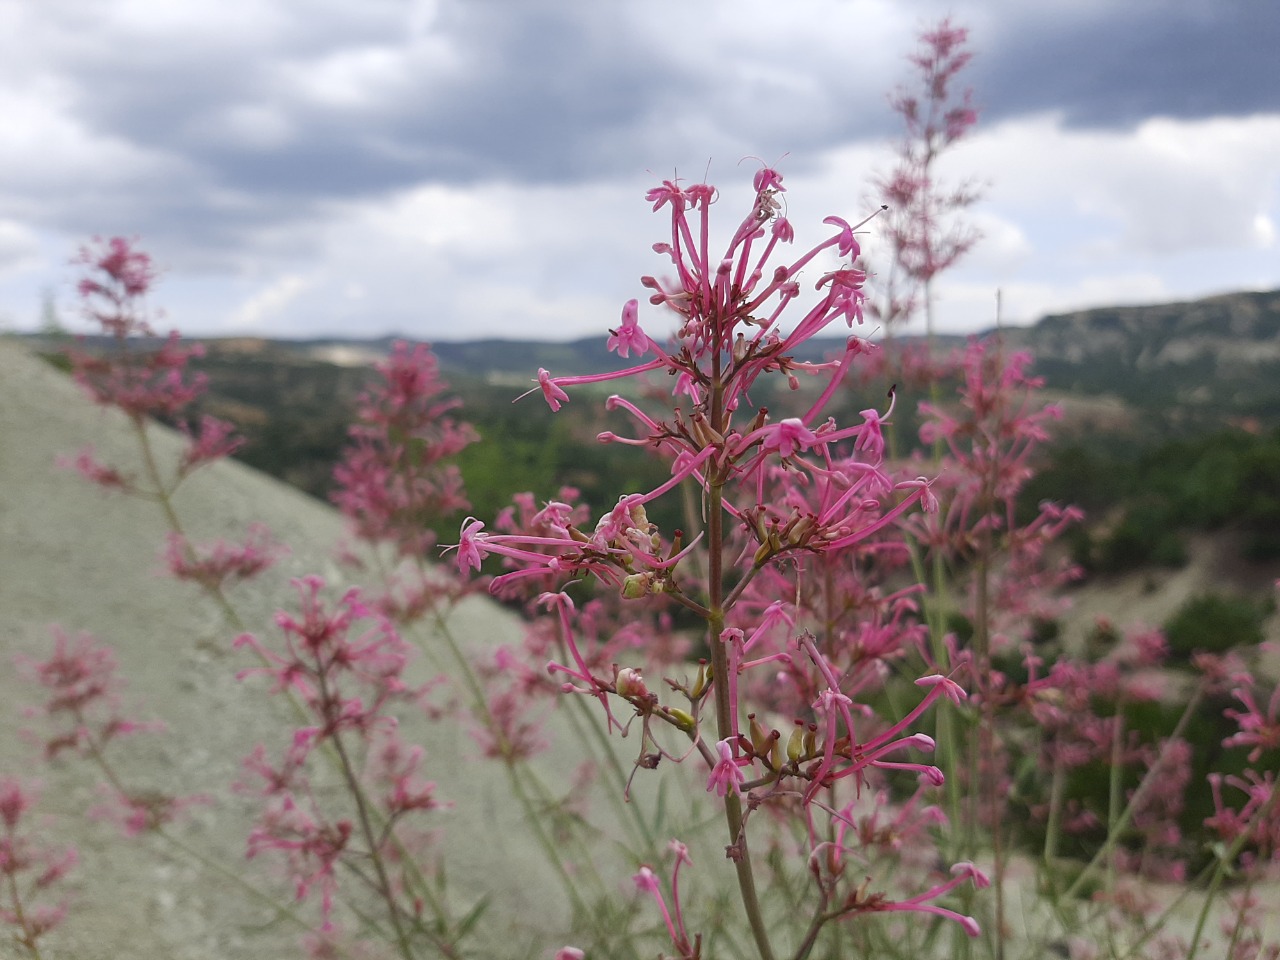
x,y
82,707
345,665
787,501
220,563
922,231
729,337
145,381
393,481
29,870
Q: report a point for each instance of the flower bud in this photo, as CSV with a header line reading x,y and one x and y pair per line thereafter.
x,y
636,585
639,516
702,681
703,432
629,683
777,757
759,736
795,742
800,529
683,719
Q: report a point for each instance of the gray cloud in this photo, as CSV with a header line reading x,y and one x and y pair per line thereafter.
x,y
233,134
272,110
1114,65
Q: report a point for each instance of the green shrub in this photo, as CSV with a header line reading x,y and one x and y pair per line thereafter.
x,y
1213,623
1145,537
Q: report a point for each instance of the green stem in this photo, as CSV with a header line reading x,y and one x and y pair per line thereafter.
x,y
28,939
721,686
1057,790
516,774
1224,866
1114,795
162,493
1122,822
99,760
370,839
229,874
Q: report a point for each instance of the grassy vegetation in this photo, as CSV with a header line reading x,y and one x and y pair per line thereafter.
x,y
1143,491
1143,499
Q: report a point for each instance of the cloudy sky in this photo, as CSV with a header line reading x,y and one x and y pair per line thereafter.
x,y
450,169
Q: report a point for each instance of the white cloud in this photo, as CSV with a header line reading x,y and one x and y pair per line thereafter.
x,y
19,249
268,304
46,152
1264,231
1167,186
249,126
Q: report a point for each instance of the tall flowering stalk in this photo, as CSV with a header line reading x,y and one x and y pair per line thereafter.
x,y
923,235
145,378
81,715
778,496
394,479
29,870
345,664
393,482
986,564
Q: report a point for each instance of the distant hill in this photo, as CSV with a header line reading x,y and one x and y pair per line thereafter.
x,y
1209,360
1205,360
1230,333
1123,373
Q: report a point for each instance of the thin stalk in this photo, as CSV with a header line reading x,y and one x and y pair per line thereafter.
x,y
720,671
987,736
162,493
1224,866
1139,795
1114,796
99,760
815,927
1237,928
230,874
513,771
371,840
586,728
20,919
1057,791
518,774
164,496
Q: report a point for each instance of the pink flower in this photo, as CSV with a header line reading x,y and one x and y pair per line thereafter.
x,y
921,902
727,774
949,688
787,438
647,882
82,699
214,565
96,472
668,193
471,550
848,244
551,391
212,440
394,480
121,262
1259,728
629,336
